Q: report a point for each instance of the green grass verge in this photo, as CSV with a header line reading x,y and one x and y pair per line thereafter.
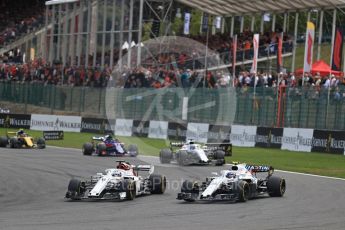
x,y
314,163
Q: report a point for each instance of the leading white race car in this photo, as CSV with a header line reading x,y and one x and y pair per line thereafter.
x,y
239,183
122,182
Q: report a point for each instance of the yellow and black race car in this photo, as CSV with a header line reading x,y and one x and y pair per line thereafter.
x,y
21,140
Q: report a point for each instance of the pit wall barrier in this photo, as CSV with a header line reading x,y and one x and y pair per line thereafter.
x,y
293,139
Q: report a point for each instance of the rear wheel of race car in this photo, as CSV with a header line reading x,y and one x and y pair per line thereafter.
x,y
157,183
219,156
276,186
87,149
3,141
130,189
165,156
14,143
133,150
182,157
41,143
102,149
74,189
190,187
243,193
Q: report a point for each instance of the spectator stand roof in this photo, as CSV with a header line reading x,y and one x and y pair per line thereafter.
x,y
241,7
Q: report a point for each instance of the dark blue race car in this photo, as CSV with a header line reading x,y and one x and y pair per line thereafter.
x,y
109,146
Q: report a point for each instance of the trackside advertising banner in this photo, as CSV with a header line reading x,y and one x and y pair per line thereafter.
x,y
123,127
328,141
197,132
243,135
95,125
140,128
158,129
177,131
297,139
218,134
269,137
55,122
15,121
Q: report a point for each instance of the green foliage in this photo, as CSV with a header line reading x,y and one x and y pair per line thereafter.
x,y
146,31
177,26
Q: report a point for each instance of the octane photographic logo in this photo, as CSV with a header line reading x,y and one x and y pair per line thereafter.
x,y
179,66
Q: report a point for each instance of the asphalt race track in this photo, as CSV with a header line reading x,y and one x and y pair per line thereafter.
x,y
33,184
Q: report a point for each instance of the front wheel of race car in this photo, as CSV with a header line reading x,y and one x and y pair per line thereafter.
x,y
3,141
101,149
133,150
181,157
157,183
41,143
165,156
219,156
74,190
130,189
243,191
14,143
87,149
276,186
190,187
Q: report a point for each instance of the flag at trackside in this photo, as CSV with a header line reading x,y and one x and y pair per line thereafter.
x,y
280,52
256,51
338,50
186,23
308,51
234,55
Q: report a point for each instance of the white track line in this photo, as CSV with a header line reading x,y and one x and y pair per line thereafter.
x,y
312,175
283,171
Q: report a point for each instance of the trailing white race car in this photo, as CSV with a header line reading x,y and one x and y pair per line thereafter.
x,y
122,182
190,153
239,183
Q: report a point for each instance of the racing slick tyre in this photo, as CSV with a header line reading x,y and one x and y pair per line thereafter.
x,y
101,149
87,149
41,143
133,150
3,141
14,143
130,189
165,156
276,186
219,156
158,183
243,191
74,190
190,187
181,157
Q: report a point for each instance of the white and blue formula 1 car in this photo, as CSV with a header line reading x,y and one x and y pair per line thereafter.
x,y
191,153
239,183
120,183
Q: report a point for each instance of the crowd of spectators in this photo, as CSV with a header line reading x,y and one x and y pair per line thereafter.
x,y
157,77
18,18
54,74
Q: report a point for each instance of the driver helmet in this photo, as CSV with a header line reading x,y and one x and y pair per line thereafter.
x,y
109,137
230,175
20,132
124,166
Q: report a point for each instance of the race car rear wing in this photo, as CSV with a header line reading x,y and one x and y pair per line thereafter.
x,y
177,144
97,138
144,168
226,147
